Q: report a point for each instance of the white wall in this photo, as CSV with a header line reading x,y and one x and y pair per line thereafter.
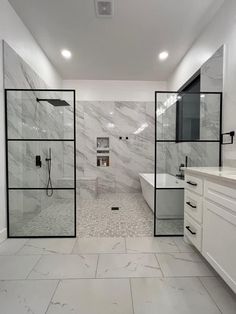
x,y
222,30
114,90
14,32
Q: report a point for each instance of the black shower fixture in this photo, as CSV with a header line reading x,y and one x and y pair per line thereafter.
x,y
54,102
49,189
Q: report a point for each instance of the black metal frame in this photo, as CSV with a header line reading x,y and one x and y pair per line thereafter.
x,y
174,141
39,140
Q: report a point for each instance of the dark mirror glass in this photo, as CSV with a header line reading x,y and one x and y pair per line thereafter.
x,y
188,113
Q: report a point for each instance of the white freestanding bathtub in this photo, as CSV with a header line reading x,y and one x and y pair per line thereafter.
x,y
169,197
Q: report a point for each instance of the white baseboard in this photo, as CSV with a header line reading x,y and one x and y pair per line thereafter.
x,y
3,235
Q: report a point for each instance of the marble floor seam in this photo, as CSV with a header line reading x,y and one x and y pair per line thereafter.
x,y
52,296
211,297
33,266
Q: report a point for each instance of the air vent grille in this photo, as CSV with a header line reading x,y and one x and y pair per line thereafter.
x,y
104,8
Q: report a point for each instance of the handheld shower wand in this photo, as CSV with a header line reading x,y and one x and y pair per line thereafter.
x,y
49,189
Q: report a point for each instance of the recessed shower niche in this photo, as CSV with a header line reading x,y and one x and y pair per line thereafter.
x,y
103,150
103,143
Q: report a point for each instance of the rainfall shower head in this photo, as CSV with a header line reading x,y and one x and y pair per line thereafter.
x,y
54,102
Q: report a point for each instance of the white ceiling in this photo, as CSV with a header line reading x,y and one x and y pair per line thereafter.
x,y
124,47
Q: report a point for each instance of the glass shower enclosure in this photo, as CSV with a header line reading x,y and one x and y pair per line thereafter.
x,y
41,162
188,129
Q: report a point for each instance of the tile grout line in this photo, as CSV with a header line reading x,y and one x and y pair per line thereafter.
x,y
71,253
17,252
97,267
87,253
40,257
132,300
209,294
49,303
107,278
159,265
177,246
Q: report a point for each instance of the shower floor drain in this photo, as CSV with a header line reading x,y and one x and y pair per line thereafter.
x,y
115,208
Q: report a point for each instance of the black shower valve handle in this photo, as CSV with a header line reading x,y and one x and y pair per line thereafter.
x,y
121,137
38,162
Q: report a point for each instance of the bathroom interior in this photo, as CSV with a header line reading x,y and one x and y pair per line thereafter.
x,y
118,156
89,165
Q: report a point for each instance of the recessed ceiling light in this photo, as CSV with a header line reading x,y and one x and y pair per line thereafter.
x,y
163,55
66,53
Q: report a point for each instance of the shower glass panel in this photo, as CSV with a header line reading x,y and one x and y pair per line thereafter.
x,y
41,163
188,133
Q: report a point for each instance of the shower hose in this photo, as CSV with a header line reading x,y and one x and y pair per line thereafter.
x,y
49,189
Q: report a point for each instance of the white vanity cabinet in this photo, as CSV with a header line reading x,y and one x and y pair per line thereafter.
x,y
210,220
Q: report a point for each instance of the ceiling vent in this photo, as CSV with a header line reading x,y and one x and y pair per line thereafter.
x,y
104,8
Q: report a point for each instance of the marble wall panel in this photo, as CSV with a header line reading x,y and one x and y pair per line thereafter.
x,y
212,72
128,157
210,117
211,81
200,154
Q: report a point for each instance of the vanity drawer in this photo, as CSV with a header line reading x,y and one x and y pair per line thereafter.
x,y
193,205
194,184
221,195
193,231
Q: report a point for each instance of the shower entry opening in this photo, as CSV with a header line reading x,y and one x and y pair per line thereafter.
x,y
40,163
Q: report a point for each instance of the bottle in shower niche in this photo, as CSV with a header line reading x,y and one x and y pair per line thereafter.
x,y
103,161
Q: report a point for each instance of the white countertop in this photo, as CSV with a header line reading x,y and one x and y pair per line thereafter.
x,y
220,173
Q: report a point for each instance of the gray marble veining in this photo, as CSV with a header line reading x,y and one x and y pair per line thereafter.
x,y
127,157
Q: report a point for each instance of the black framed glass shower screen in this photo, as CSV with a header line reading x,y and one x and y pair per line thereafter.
x,y
41,162
187,124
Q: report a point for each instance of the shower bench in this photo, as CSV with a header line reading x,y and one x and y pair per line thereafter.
x,y
86,187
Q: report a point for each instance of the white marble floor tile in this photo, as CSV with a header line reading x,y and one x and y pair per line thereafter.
x,y
11,246
65,267
183,264
99,245
183,246
92,296
221,294
24,297
16,267
128,265
150,245
171,296
47,246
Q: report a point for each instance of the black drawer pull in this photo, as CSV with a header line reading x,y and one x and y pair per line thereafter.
x,y
189,229
191,205
192,183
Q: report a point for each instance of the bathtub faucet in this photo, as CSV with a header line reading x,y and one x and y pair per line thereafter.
x,y
180,175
